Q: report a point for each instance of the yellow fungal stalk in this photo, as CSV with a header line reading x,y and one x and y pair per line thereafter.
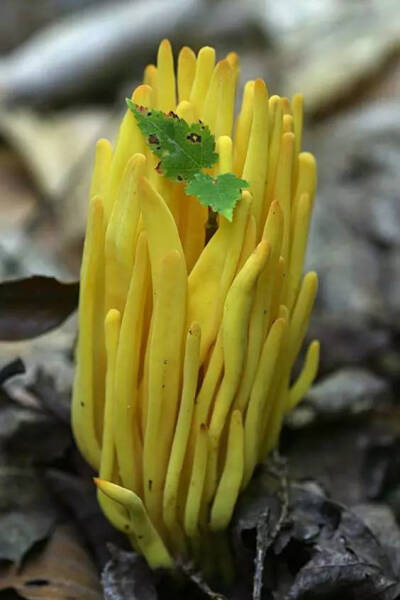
x,y
186,347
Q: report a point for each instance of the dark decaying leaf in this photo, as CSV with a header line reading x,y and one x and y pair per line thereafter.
x,y
127,576
78,496
257,521
16,367
261,549
354,458
267,530
320,550
27,511
340,555
32,306
382,461
380,519
30,435
62,570
198,587
51,400
292,541
264,499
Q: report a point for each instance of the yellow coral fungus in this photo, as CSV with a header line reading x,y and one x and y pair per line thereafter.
x,y
186,345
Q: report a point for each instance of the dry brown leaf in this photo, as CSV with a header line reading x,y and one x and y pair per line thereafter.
x,y
62,570
32,306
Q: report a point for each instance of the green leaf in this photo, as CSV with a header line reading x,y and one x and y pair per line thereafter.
x,y
221,193
183,149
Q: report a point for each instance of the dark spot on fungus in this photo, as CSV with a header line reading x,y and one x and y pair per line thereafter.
x,y
172,114
158,168
179,178
150,484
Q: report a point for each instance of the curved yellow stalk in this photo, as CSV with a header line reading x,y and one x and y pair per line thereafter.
x,y
126,432
301,313
273,232
256,163
242,129
212,275
193,215
283,188
116,514
250,241
224,149
231,478
121,234
196,485
166,96
236,231
306,180
299,245
150,76
226,100
261,311
234,329
306,377
92,289
146,536
203,288
275,402
287,124
185,111
129,141
186,72
255,333
101,169
297,111
182,430
204,68
164,376
276,124
128,229
160,227
259,394
277,289
218,79
210,382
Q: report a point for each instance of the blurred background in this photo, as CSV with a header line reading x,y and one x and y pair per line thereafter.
x,y
65,69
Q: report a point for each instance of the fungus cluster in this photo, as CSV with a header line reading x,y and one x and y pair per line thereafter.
x,y
187,342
